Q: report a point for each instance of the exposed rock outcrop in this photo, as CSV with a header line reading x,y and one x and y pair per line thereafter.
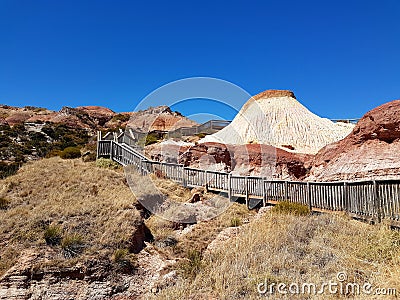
x,y
370,151
158,118
95,278
276,118
250,159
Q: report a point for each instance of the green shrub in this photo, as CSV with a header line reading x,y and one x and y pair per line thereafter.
x,y
120,255
126,262
70,152
4,203
192,266
53,235
107,163
291,208
72,244
236,222
121,117
151,138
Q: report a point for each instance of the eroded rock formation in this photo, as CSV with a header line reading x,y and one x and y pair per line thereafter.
x,y
276,118
370,151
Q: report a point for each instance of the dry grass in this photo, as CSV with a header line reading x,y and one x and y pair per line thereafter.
x,y
200,235
87,206
288,248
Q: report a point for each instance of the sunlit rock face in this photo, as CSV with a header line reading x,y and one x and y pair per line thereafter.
x,y
370,151
276,118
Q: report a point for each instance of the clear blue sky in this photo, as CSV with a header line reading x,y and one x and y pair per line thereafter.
x,y
341,58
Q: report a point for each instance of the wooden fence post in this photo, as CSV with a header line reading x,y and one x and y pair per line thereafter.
x,y
246,191
206,180
309,196
184,181
377,205
98,143
141,170
286,190
346,197
111,150
229,187
264,192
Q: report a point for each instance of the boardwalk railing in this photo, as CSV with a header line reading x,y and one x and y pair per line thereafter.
x,y
375,200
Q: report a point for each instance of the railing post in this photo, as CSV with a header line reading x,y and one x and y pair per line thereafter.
x,y
246,191
309,196
229,187
346,197
286,190
377,206
206,180
141,171
184,180
111,150
98,144
264,192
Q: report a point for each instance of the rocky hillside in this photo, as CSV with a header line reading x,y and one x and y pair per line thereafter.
x,y
276,118
94,118
158,118
29,133
86,117
370,151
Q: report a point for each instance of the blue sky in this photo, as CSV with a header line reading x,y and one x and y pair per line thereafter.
x,y
341,58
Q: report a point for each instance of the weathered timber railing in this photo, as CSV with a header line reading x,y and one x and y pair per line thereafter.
x,y
374,199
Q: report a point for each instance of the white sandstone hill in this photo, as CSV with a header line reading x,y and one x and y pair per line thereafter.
x,y
276,118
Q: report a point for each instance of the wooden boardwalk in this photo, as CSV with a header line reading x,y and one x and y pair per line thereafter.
x,y
374,200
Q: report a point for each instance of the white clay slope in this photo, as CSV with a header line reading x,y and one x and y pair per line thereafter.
x,y
281,122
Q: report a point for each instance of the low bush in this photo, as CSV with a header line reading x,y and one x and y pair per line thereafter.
x,y
72,245
121,117
126,261
236,222
192,265
287,207
53,235
107,163
70,153
151,138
